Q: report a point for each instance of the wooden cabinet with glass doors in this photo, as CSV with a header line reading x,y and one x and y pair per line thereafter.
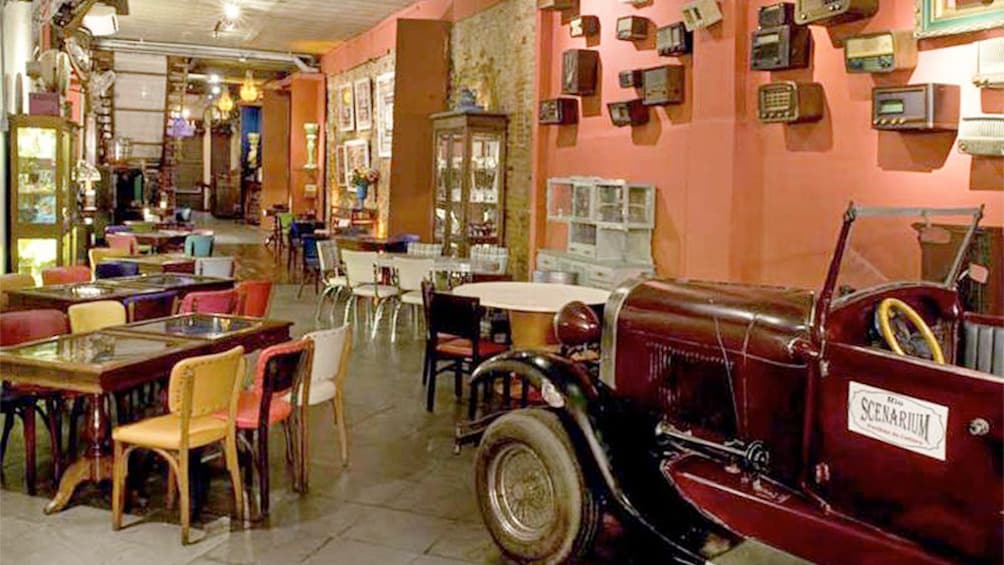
x,y
45,228
469,173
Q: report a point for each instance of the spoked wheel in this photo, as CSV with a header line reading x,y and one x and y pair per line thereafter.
x,y
534,497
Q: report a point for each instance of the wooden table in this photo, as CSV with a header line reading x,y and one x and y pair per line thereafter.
x,y
162,239
120,358
531,306
449,269
183,283
159,263
61,297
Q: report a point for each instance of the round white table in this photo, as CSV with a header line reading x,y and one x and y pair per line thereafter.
x,y
531,305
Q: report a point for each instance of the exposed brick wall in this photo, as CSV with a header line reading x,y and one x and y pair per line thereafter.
x,y
338,193
493,53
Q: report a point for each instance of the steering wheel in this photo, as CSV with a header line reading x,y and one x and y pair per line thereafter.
x,y
884,315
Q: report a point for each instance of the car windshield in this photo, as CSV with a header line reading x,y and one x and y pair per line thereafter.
x,y
889,245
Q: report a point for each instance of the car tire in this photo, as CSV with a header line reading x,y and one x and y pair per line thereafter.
x,y
534,497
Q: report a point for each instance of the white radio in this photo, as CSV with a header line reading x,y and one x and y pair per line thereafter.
x,y
982,135
990,63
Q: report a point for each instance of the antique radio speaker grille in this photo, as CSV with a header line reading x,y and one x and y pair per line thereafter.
x,y
990,63
982,135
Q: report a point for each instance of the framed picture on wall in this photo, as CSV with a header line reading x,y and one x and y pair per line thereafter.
x,y
346,108
364,105
948,17
385,114
357,156
340,171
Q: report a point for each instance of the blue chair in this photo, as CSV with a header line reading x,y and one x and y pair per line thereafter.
x,y
311,262
199,245
149,306
113,269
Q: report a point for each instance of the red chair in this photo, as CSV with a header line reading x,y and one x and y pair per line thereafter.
x,y
211,302
256,297
66,275
125,241
22,400
282,373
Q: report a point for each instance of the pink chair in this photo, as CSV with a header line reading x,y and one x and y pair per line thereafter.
x,y
22,400
125,241
66,275
212,302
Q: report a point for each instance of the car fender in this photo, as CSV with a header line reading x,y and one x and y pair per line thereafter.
x,y
568,389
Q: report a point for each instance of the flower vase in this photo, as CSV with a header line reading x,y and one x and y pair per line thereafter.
x,y
362,191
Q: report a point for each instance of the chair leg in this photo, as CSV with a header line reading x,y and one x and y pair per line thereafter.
x,y
263,470
119,470
185,492
320,302
8,423
54,417
430,398
458,379
233,467
393,321
303,446
171,497
350,306
339,415
287,432
28,419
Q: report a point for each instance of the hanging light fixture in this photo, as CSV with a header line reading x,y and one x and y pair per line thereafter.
x,y
249,92
225,103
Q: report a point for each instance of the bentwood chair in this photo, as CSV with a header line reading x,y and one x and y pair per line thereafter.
x,y
93,316
99,254
200,388
197,245
408,275
13,281
22,400
332,349
279,375
115,269
363,278
255,298
66,275
222,267
211,302
331,275
454,335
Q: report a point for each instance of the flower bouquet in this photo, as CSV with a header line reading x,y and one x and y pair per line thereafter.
x,y
362,179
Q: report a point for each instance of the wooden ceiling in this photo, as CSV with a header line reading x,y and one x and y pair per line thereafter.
x,y
301,26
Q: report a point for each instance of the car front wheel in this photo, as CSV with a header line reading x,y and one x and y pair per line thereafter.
x,y
534,497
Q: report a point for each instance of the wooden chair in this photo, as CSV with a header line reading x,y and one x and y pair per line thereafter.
x,y
115,269
99,254
332,349
151,305
13,281
200,388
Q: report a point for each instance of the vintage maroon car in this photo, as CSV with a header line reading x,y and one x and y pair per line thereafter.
x,y
859,424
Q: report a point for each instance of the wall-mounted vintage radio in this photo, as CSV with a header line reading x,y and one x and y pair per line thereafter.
x,y
916,107
832,12
633,78
555,4
632,28
628,113
780,14
990,63
699,14
790,102
781,47
579,68
882,52
584,25
982,135
559,111
674,40
663,85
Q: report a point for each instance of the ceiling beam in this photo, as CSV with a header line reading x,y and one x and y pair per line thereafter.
x,y
302,62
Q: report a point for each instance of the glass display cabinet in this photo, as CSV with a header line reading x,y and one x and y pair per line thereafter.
x,y
469,172
44,225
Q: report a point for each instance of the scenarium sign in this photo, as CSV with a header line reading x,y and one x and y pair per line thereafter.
x,y
897,419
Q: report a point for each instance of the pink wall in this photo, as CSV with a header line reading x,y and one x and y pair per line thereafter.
x,y
747,201
307,104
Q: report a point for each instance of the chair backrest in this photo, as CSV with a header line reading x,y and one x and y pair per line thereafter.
x,y
66,275
198,245
327,255
285,220
93,316
112,269
205,385
256,298
183,214
142,227
281,370
410,272
125,241
452,314
425,249
29,325
13,281
359,266
211,302
151,305
222,267
310,252
491,258
116,229
331,354
99,254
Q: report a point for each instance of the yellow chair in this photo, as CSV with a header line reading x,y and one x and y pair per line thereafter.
x,y
99,254
94,316
13,281
200,387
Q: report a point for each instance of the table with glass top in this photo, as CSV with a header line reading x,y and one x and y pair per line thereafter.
x,y
120,358
62,296
183,283
159,263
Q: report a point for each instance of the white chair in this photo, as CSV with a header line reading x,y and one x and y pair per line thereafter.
x,y
222,267
409,273
327,378
331,276
425,249
363,280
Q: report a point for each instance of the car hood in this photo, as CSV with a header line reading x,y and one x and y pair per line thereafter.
x,y
718,320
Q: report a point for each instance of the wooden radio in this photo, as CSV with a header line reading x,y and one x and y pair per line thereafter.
x,y
916,107
663,85
790,102
674,40
882,52
559,111
832,12
579,69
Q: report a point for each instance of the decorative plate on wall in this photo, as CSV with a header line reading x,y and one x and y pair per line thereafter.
x,y
949,17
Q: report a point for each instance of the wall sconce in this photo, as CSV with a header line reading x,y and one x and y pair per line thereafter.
x,y
311,130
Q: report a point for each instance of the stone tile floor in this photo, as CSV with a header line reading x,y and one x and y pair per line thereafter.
x,y
404,498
